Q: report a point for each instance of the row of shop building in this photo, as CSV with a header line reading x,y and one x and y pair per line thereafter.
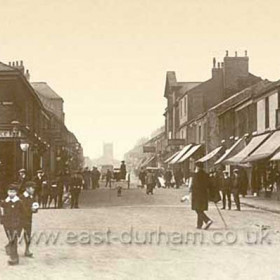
x,y
33,134
232,119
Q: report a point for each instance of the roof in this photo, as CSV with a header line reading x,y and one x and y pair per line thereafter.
x,y
44,90
5,67
186,86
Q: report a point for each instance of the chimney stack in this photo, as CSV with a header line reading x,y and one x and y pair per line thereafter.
x,y
27,75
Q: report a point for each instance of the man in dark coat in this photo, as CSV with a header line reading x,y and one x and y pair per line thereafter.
x,y
23,178
236,187
109,176
168,178
142,177
30,206
123,170
226,189
75,189
200,187
151,182
12,222
39,180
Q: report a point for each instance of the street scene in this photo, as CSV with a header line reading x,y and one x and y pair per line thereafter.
x,y
139,140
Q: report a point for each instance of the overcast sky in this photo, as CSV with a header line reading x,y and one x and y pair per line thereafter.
x,y
108,58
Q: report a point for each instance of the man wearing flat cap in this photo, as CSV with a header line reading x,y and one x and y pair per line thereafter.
x,y
22,180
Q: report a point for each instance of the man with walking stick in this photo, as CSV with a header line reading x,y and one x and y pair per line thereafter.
x,y
200,187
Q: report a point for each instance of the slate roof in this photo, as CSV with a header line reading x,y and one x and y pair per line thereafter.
x,y
44,90
5,67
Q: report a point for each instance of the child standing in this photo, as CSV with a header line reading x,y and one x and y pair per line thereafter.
x,y
12,222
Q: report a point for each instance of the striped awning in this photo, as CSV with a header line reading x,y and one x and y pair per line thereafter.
x,y
210,155
170,158
189,153
266,149
251,147
235,148
180,154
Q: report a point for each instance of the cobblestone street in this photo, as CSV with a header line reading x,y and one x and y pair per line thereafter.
x,y
214,255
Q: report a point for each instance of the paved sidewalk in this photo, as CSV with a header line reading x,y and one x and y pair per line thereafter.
x,y
267,204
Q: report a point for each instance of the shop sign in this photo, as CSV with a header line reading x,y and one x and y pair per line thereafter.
x,y
9,134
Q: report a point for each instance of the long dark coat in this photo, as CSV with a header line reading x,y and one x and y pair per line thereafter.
x,y
200,189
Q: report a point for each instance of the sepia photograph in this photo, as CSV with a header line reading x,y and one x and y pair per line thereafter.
x,y
139,140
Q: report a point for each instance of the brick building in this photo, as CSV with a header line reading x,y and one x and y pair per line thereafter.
x,y
31,134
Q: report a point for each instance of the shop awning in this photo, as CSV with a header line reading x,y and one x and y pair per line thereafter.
x,y
170,158
210,155
251,147
235,148
148,161
267,148
276,157
189,153
180,154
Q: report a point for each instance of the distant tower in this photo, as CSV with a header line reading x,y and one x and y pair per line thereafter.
x,y
108,152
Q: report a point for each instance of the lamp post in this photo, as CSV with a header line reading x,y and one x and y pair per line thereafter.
x,y
24,147
15,133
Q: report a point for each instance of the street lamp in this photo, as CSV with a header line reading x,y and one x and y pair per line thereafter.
x,y
24,147
15,133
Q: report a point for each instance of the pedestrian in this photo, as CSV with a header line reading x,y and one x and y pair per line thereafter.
x,y
30,206
60,185
123,171
200,186
178,177
142,177
151,182
236,187
108,178
53,194
226,189
23,178
87,175
168,178
75,189
39,180
12,222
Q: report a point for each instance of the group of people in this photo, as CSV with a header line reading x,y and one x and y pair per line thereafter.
x,y
163,178
63,189
234,185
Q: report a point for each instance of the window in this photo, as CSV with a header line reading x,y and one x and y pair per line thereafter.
x,y
266,112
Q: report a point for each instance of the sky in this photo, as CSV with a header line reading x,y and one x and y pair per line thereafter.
x,y
108,58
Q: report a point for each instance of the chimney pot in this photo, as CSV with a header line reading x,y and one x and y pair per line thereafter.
x,y
21,63
235,54
246,53
10,63
16,63
214,62
219,64
226,53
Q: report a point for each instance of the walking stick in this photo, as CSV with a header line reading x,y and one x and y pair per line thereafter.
x,y
221,215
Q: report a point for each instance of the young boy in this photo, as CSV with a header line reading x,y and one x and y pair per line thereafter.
x,y
30,206
12,222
